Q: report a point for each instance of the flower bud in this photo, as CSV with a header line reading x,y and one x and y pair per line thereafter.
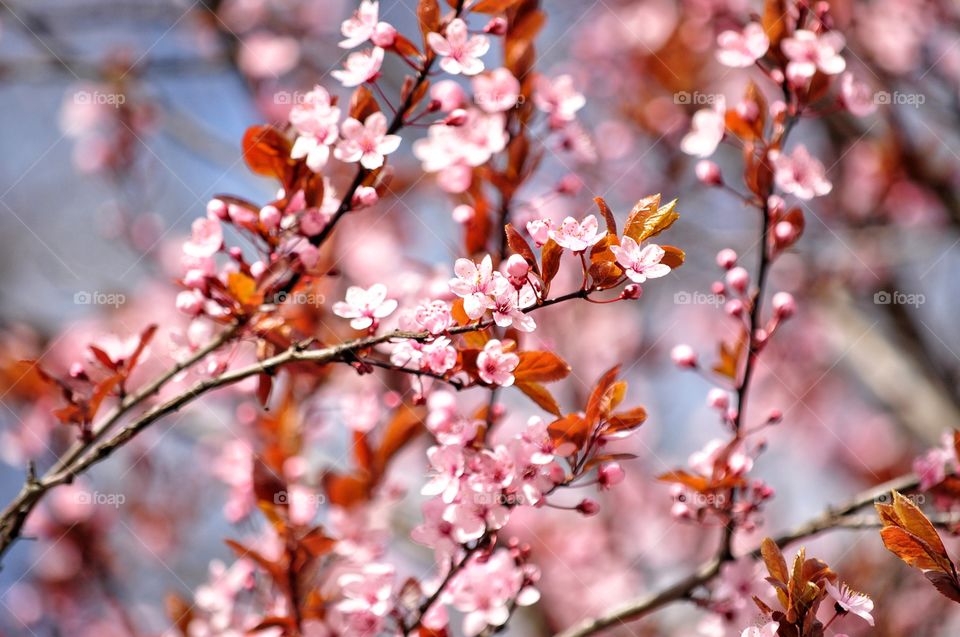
x,y
726,258
364,197
588,507
270,217
708,173
684,356
717,287
190,302
496,26
784,232
610,474
718,398
457,118
632,292
517,267
570,184
784,305
734,308
775,416
217,208
449,94
738,279
384,35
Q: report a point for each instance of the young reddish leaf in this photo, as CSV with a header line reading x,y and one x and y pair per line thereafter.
x,y
541,367
346,490
362,453
607,215
494,6
729,362
242,288
648,218
318,543
913,520
267,152
264,385
103,358
625,420
550,258
687,479
773,558
673,257
599,402
520,246
570,429
540,395
910,549
102,390
407,422
363,103
774,21
946,584
407,49
145,337
274,569
428,13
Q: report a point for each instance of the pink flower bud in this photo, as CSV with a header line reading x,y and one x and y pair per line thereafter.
x,y
708,173
775,416
195,279
726,258
364,197
776,205
496,26
270,217
734,308
588,507
610,474
570,184
217,208
718,398
77,371
235,253
784,305
784,232
449,94
257,268
632,292
457,118
463,213
384,35
684,356
517,267
738,279
190,302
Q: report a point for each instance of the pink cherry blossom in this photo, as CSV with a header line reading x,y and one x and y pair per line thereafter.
x,y
364,25
367,143
496,366
369,589
433,316
539,230
933,466
445,421
767,630
474,514
360,67
448,465
809,52
496,91
851,601
474,283
461,52
743,49
484,590
439,356
315,120
857,96
365,306
508,305
206,239
449,95
577,236
706,131
800,174
639,263
454,150
435,532
558,98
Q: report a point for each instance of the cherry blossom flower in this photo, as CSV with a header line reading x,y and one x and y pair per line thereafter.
x,y
850,601
474,283
369,589
367,143
435,532
449,95
433,316
454,150
539,230
800,174
473,515
315,121
360,67
365,307
767,630
809,52
706,131
439,356
448,465
445,421
206,239
496,366
364,25
483,591
558,98
461,52
577,236
640,264
857,96
508,304
743,49
496,91
932,467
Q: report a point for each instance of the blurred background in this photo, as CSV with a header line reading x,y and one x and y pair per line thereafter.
x,y
122,118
